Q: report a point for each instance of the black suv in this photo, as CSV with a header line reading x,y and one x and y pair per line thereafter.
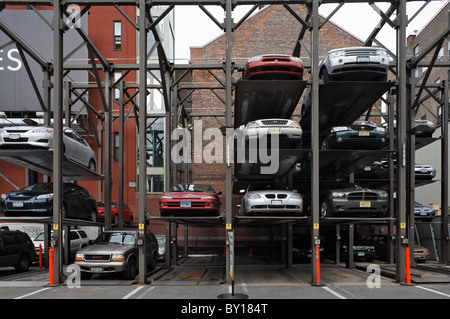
x,y
16,249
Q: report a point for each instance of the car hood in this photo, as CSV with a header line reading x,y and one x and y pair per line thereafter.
x,y
105,249
195,195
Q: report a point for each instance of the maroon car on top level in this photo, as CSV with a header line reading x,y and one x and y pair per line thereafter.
x,y
190,200
273,67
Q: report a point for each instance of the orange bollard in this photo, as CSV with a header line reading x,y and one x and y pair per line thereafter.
x,y
50,265
40,256
318,265
408,266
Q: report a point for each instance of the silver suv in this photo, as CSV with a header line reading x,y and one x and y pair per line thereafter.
x,y
116,252
355,63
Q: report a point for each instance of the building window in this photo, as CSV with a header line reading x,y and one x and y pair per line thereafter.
x,y
116,147
441,54
117,35
416,50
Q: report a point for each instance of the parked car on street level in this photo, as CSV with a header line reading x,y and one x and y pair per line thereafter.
x,y
190,200
355,63
17,250
273,66
270,199
75,147
37,200
116,252
359,135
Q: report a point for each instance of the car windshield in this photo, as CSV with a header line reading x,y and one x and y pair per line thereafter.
x,y
338,185
39,187
267,186
193,188
121,238
40,237
102,204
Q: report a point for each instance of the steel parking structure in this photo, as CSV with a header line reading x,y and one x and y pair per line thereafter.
x,y
403,100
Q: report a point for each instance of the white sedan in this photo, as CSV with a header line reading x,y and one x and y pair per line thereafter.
x,y
75,146
285,127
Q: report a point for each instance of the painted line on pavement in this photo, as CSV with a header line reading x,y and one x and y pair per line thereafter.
x,y
133,292
334,293
32,293
435,291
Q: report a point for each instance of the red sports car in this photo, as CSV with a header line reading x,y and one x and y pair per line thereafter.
x,y
127,213
274,67
190,200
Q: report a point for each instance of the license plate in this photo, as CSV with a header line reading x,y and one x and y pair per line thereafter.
x,y
423,171
364,204
423,214
275,130
363,59
185,204
276,202
364,133
367,169
17,204
14,136
96,269
360,254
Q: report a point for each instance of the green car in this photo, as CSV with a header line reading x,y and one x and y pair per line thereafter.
x,y
358,135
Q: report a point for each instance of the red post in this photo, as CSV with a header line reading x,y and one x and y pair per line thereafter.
x,y
40,256
50,265
318,265
408,266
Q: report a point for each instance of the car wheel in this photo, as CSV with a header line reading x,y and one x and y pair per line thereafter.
x,y
115,220
131,271
324,76
92,165
23,264
324,209
93,216
324,145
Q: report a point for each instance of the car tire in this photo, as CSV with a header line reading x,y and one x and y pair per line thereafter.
x,y
324,209
23,264
92,165
131,272
324,76
115,220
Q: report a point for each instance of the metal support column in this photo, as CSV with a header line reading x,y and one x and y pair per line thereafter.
x,y
315,205
108,149
410,163
228,123
444,175
121,151
57,140
401,190
142,28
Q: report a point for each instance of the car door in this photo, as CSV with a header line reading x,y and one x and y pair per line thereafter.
x,y
84,150
75,242
84,202
71,150
11,249
3,255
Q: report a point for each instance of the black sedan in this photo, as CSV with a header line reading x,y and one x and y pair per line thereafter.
x,y
358,135
349,199
37,200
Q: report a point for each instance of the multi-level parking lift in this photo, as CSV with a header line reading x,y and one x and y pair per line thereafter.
x,y
407,102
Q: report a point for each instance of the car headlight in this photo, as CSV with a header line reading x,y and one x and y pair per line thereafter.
x,y
165,197
380,129
294,124
296,196
4,196
338,195
381,52
207,197
339,128
79,257
255,58
337,54
45,196
383,194
253,125
295,59
42,130
117,257
253,196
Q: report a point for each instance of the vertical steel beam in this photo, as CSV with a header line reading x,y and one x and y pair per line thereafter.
x,y
315,205
107,147
228,121
410,163
142,26
121,151
390,242
57,139
401,190
444,175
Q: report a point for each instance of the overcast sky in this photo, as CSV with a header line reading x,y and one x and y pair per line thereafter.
x,y
194,28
